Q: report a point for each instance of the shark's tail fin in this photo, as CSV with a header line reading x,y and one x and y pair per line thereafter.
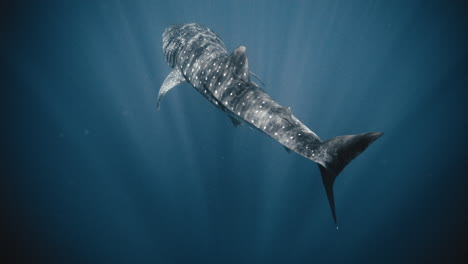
x,y
336,153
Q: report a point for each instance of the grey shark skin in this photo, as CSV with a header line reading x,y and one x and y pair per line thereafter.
x,y
198,56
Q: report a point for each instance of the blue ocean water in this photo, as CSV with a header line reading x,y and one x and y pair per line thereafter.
x,y
94,174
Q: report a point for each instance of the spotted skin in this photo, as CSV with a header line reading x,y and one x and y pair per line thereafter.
x,y
198,56
224,80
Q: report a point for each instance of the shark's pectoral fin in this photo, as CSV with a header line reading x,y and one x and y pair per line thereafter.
x,y
287,149
172,80
240,64
235,122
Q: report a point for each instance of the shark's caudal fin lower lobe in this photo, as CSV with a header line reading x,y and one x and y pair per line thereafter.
x,y
337,153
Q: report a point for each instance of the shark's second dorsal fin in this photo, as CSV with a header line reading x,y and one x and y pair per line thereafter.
x,y
287,115
172,80
240,64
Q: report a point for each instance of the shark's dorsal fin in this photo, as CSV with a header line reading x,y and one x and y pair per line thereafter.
x,y
172,80
240,64
234,121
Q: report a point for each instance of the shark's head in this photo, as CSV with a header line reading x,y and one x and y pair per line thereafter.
x,y
173,42
177,38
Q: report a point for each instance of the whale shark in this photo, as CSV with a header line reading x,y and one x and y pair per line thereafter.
x,y
199,57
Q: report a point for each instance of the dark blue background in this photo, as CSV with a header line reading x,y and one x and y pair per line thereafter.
x,y
92,173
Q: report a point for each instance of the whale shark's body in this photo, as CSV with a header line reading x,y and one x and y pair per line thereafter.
x,y
198,56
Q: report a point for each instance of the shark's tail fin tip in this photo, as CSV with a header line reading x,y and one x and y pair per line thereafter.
x,y
337,153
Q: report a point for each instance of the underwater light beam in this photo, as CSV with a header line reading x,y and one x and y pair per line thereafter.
x,y
198,56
